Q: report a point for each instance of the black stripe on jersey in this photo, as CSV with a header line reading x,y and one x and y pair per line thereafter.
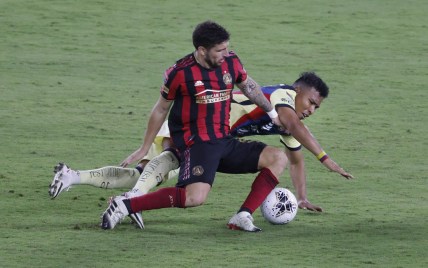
x,y
210,108
224,104
175,116
188,76
230,66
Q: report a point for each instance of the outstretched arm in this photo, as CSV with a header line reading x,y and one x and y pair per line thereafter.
x,y
290,121
157,117
298,177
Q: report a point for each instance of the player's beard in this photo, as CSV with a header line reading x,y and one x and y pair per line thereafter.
x,y
211,63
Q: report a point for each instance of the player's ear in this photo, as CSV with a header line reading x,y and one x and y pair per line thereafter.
x,y
202,50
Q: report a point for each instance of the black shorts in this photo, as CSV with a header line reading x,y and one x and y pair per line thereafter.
x,y
202,160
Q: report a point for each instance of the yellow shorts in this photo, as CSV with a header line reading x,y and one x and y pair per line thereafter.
x,y
290,142
156,147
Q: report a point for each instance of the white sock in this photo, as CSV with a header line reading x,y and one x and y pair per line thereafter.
x,y
109,177
156,171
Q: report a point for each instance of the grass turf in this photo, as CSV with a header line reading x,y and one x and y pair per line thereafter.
x,y
78,78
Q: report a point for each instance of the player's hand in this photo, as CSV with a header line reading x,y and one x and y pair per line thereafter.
x,y
276,121
305,204
330,164
137,155
125,163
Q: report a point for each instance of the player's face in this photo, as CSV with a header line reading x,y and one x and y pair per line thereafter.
x,y
214,57
307,101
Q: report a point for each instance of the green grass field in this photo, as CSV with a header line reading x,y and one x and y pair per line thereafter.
x,y
78,79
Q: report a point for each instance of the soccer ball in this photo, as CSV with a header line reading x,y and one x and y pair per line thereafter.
x,y
280,206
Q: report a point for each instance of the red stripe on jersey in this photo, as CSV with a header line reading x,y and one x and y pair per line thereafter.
x,y
216,118
185,117
166,92
237,74
240,73
201,108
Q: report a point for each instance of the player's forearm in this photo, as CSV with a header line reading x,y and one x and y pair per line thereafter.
x,y
298,177
302,135
253,92
297,173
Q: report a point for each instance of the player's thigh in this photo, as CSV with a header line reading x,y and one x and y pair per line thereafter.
x,y
242,157
155,149
199,163
273,158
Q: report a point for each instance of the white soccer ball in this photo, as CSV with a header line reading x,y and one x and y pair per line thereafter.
x,y
280,206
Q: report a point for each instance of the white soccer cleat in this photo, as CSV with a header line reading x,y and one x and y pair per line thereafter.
x,y
138,219
62,179
243,221
115,213
135,217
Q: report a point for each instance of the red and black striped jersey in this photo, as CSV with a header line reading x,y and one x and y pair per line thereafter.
x,y
202,97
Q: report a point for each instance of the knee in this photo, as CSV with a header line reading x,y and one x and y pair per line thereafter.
x,y
275,160
194,201
281,158
196,194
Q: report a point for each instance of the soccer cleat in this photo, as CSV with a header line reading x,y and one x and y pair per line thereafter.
x,y
138,219
135,217
243,221
115,213
62,179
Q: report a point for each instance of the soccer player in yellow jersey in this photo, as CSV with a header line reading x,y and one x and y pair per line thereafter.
x,y
246,119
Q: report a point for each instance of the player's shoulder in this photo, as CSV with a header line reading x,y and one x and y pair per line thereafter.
x,y
186,61
281,95
232,57
182,63
232,54
278,87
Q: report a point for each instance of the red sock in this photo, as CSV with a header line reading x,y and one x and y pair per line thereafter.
x,y
262,186
162,198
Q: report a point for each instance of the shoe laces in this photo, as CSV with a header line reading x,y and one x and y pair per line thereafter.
x,y
247,222
116,214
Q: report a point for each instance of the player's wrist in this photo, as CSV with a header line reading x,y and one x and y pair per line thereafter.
x,y
322,156
302,201
272,114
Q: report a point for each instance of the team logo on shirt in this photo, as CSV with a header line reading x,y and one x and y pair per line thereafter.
x,y
288,100
197,171
227,78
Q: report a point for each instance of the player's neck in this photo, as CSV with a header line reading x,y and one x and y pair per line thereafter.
x,y
200,59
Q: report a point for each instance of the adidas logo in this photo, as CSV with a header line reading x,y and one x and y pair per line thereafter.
x,y
198,83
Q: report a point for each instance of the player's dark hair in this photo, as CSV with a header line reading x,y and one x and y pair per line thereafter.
x,y
310,79
208,34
